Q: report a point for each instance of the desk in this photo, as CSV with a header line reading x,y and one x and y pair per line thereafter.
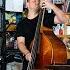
x,y
58,67
68,54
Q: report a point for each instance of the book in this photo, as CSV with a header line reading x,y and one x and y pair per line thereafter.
x,y
0,16
68,10
0,2
1,21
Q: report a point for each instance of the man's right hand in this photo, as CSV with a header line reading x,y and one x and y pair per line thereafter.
x,y
28,56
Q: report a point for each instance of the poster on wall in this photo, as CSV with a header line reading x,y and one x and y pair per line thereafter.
x,y
14,5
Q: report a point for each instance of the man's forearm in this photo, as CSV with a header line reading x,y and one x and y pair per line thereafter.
x,y
23,48
59,13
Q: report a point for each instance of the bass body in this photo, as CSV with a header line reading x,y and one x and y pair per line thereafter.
x,y
51,50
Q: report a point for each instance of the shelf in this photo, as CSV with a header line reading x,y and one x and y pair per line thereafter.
x,y
11,27
12,51
68,13
1,8
67,24
59,3
62,36
1,33
11,31
68,36
58,66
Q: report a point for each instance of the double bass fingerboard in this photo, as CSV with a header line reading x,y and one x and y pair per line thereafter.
x,y
35,46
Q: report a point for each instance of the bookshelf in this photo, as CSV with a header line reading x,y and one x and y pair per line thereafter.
x,y
1,24
2,35
12,17
65,36
64,27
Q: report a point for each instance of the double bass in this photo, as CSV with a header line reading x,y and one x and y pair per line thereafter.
x,y
47,48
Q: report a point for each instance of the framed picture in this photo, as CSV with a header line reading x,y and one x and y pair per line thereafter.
x,y
13,5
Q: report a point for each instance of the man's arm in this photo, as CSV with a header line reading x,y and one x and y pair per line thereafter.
x,y
22,48
60,17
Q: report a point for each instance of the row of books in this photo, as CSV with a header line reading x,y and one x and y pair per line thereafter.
x,y
60,29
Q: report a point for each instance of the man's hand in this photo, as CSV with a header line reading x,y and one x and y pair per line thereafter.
x,y
28,56
46,4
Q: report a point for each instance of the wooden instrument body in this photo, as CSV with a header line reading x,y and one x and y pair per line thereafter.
x,y
51,50
46,47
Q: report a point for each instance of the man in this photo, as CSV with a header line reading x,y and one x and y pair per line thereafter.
x,y
26,28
